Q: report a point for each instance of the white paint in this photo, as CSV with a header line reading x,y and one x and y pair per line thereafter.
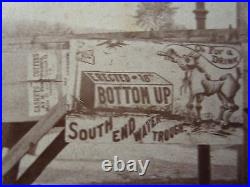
x,y
119,165
106,165
143,167
131,166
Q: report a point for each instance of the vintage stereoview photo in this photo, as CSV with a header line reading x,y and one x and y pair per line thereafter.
x,y
124,93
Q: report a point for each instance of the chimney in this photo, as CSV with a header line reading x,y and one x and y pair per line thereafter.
x,y
200,16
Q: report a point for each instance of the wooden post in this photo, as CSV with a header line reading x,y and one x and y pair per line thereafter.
x,y
34,135
240,174
11,134
204,170
36,168
9,140
11,175
242,27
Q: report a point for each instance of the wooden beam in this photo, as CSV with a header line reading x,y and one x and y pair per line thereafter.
x,y
34,135
37,167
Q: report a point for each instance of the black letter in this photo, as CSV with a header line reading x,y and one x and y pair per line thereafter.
x,y
158,96
108,125
72,129
131,124
117,89
83,134
92,133
166,92
135,95
101,95
115,139
145,95
155,133
110,95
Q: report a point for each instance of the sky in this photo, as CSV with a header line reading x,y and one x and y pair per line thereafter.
x,y
112,16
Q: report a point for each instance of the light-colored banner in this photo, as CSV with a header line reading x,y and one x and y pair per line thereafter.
x,y
203,83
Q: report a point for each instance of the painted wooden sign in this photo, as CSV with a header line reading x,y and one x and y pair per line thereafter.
x,y
196,85
35,85
122,129
103,128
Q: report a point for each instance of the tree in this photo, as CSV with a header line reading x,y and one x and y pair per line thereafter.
x,y
155,16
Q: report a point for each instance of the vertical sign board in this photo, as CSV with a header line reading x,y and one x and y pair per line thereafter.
x,y
42,72
36,84
48,72
147,91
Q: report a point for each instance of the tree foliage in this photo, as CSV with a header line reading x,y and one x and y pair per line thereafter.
x,y
155,16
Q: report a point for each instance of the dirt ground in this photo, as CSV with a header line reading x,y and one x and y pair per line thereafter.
x,y
169,164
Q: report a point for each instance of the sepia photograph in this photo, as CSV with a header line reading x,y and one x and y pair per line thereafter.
x,y
124,93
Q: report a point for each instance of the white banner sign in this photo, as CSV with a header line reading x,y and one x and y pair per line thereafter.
x,y
123,129
199,83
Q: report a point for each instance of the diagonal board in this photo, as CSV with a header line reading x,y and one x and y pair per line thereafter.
x,y
34,135
43,160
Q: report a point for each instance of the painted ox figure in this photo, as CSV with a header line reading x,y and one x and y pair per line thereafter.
x,y
226,87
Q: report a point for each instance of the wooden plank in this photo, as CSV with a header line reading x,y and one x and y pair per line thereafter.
x,y
34,135
37,167
204,170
